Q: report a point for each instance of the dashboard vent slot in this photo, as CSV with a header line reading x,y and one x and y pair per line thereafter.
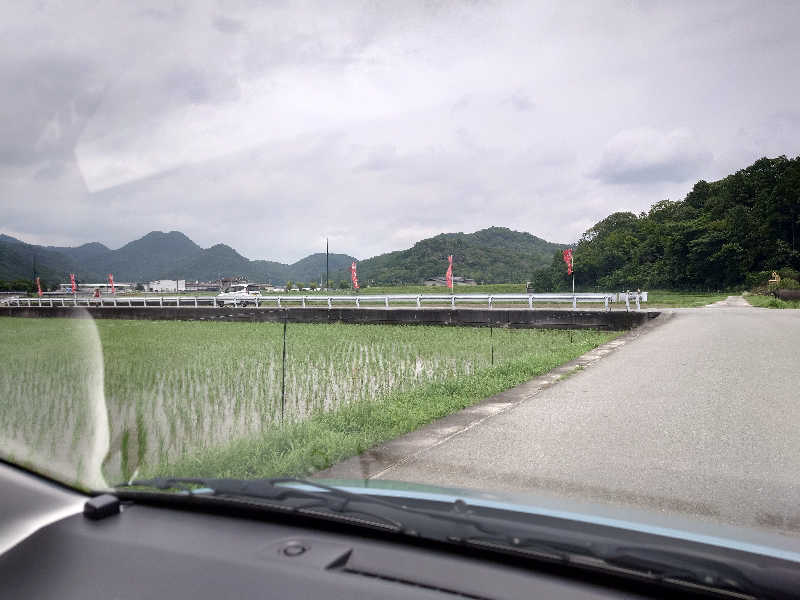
x,y
441,574
426,586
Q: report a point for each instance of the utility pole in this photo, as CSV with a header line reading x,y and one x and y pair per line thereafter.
x,y
327,276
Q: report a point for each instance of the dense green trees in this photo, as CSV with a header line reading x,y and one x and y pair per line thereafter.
x,y
18,285
724,234
493,255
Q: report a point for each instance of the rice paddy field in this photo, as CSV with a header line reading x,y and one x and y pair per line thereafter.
x,y
89,400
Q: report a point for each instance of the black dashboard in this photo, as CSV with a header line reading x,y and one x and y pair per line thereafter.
x,y
156,552
56,543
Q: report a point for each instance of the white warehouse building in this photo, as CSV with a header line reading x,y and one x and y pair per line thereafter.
x,y
167,285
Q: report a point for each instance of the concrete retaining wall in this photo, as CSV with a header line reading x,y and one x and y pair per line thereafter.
x,y
471,317
788,294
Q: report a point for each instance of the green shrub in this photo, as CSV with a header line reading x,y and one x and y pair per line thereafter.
x,y
787,283
789,273
757,279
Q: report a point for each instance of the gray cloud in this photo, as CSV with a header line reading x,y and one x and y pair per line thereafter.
x,y
649,156
268,127
227,24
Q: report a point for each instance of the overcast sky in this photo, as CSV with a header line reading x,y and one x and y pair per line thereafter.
x,y
268,126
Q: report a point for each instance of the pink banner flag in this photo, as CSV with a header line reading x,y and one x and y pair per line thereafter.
x,y
567,254
449,275
353,276
111,282
39,287
72,281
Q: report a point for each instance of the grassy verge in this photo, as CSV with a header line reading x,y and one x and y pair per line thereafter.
x,y
325,438
771,302
670,299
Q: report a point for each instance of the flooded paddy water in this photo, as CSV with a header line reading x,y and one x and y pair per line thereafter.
x,y
173,388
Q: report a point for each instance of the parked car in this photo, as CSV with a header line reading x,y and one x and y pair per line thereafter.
x,y
239,294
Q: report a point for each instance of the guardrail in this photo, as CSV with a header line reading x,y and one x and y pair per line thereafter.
x,y
418,300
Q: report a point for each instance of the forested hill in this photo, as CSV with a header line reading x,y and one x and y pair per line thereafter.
x,y
493,255
157,255
724,234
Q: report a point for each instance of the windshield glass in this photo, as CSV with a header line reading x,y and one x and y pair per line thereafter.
x,y
540,252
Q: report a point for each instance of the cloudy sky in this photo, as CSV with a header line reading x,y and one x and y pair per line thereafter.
x,y
270,125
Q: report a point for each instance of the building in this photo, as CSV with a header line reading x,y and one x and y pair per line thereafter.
x,y
202,286
166,285
89,288
443,281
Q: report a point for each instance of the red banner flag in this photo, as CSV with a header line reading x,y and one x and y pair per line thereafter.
x,y
567,254
449,275
39,287
353,276
72,281
111,282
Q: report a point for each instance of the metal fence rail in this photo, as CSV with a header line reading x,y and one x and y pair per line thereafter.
x,y
320,301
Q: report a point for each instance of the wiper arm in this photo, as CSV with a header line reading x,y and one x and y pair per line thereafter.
x,y
291,498
458,525
735,576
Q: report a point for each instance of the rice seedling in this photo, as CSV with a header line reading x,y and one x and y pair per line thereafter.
x,y
174,390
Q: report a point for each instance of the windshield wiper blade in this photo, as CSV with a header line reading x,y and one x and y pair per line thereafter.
x,y
736,576
457,525
286,494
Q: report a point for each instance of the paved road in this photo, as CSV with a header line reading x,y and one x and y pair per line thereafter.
x,y
701,415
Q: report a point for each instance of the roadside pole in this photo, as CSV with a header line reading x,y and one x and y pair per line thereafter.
x,y
572,265
283,366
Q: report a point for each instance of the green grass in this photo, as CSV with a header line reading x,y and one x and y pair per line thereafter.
x,y
771,302
670,299
301,448
198,397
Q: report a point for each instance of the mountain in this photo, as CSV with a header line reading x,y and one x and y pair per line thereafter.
x,y
724,234
82,253
18,260
493,255
310,267
157,255
222,260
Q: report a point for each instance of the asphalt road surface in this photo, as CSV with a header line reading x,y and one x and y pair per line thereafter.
x,y
701,415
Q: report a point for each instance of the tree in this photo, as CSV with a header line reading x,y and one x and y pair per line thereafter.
x,y
722,235
289,285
